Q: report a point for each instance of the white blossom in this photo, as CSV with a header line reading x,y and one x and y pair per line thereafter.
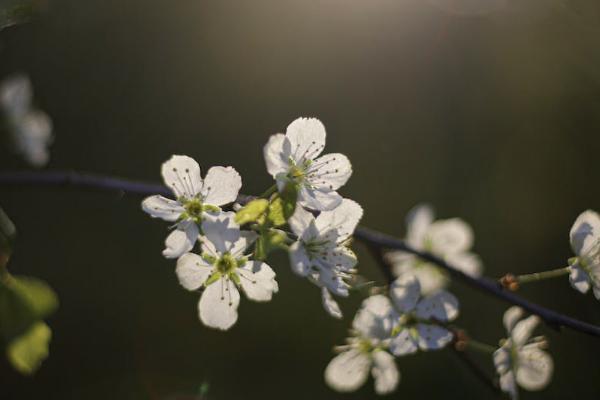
x,y
520,359
366,351
222,270
321,252
419,319
30,128
196,198
293,159
585,242
450,239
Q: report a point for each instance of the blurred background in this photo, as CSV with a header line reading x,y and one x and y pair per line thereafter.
x,y
487,109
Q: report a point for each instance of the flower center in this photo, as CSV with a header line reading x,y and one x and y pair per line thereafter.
x,y
226,264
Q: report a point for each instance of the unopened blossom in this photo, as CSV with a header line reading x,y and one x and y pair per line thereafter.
x,y
449,239
585,242
366,351
30,128
294,159
419,320
223,270
195,199
521,360
321,252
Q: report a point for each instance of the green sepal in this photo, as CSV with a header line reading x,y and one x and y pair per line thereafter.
x,y
27,351
268,241
208,258
215,276
252,211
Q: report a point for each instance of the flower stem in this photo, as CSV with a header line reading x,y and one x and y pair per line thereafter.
x,y
269,192
480,347
538,276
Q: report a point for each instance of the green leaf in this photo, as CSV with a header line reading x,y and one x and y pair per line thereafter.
x,y
38,294
27,351
251,211
282,207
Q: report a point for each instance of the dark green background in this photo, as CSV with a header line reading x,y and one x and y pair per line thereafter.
x,y
492,118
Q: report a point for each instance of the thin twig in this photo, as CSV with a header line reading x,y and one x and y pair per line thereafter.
x,y
366,235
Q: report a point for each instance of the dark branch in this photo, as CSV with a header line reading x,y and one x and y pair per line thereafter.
x,y
370,237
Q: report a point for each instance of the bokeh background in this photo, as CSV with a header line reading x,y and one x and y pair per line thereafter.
x,y
488,109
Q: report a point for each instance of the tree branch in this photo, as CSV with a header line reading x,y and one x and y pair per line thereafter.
x,y
370,237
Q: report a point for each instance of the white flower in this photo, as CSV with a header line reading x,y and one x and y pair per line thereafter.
x,y
419,319
292,158
196,199
366,351
449,239
321,252
520,360
585,242
222,270
30,128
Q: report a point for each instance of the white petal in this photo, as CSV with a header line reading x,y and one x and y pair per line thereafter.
x,y
221,186
441,306
330,305
579,279
468,263
301,221
181,240
511,317
318,199
330,171
418,221
332,280
258,281
277,154
450,236
502,359
508,384
32,137
161,207
585,232
523,330
433,337
218,304
403,344
348,371
239,247
299,260
343,219
384,372
405,292
342,257
192,271
375,318
430,277
221,231
534,368
16,95
307,138
182,175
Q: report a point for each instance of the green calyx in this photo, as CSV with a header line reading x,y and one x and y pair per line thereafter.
x,y
194,208
225,266
297,173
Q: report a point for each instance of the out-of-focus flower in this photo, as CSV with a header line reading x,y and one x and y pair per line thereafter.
x,y
450,239
30,129
585,242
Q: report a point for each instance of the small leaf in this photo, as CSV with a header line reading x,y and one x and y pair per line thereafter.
x,y
251,211
37,293
276,215
27,351
283,205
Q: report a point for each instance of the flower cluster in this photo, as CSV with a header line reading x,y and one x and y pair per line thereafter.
x,y
234,245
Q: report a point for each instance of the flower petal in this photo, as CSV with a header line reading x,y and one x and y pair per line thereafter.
x,y
318,199
239,247
375,318
221,186
342,257
330,171
384,372
300,222
16,96
163,208
342,220
181,240
579,279
585,232
192,271
218,304
468,263
534,369
523,330
433,337
182,175
258,281
330,305
441,306
418,220
299,260
307,139
508,384
347,371
277,154
221,231
511,317
405,292
450,236
403,344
